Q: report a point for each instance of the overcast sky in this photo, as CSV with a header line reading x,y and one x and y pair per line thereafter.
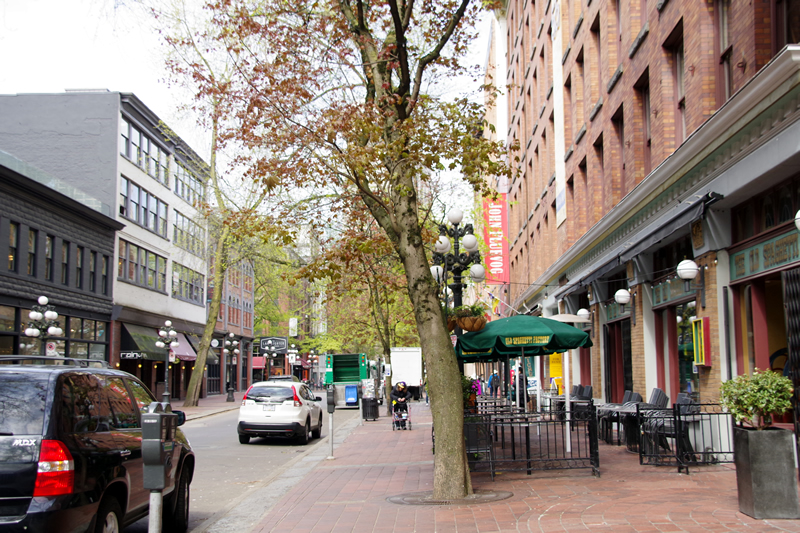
x,y
54,45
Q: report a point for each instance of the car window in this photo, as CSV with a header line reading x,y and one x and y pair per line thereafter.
x,y
307,394
270,392
22,403
124,414
84,405
141,395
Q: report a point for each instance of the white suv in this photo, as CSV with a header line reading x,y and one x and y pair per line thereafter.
x,y
279,408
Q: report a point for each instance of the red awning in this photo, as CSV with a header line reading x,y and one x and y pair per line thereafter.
x,y
305,363
184,350
259,362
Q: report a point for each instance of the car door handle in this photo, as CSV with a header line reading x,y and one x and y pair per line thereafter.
x,y
124,453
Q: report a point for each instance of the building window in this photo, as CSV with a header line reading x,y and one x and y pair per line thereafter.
x,y
104,274
642,88
141,267
143,152
786,29
49,252
64,263
79,267
725,49
92,271
32,243
142,207
13,244
186,185
187,234
187,284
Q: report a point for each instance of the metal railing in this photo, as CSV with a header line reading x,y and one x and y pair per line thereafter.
x,y
684,435
512,441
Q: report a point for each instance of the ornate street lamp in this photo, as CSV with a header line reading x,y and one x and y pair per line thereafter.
x,y
456,262
231,351
167,338
43,323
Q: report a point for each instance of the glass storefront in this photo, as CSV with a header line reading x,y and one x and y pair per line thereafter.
x,y
688,377
84,338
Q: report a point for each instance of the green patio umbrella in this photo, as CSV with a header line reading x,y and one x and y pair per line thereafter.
x,y
520,335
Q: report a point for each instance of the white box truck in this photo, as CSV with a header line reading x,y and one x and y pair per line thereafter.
x,y
407,366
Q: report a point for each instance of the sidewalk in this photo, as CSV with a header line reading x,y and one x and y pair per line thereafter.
x,y
374,463
212,405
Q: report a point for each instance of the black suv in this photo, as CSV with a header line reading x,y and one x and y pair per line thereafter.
x,y
71,449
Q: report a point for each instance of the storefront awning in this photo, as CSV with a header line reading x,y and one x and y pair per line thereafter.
x,y
184,350
139,342
212,358
259,363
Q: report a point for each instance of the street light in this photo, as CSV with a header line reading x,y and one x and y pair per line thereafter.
x,y
456,262
44,323
231,351
167,338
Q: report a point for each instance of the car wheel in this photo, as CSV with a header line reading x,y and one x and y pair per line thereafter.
x,y
244,439
178,519
305,436
317,433
109,516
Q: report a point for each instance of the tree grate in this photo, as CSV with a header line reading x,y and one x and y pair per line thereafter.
x,y
426,498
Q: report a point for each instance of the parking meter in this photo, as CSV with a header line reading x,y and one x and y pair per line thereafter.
x,y
331,400
158,436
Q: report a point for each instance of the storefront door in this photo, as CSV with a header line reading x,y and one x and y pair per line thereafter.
x,y
618,365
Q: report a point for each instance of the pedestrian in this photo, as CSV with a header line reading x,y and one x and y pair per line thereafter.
x,y
494,384
400,400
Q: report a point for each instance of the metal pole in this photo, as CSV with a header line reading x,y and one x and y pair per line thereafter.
x,y
165,396
154,522
330,433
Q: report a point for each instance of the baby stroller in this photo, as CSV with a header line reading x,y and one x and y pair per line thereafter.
x,y
400,419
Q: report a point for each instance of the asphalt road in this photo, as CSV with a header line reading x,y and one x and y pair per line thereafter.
x,y
232,476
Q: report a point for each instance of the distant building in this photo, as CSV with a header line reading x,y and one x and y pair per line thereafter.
x,y
112,146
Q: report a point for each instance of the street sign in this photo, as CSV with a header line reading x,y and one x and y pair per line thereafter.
x,y
277,345
51,348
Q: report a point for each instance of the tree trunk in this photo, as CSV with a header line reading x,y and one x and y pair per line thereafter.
x,y
196,380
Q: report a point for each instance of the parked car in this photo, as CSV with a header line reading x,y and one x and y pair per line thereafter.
x,y
71,449
285,377
280,408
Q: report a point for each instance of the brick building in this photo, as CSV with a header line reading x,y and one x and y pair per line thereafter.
x,y
653,131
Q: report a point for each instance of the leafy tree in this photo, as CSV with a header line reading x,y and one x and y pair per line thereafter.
x,y
333,102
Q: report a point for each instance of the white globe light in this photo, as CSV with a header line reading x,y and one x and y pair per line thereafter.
x,y
159,344
59,332
679,319
230,334
173,333
583,313
470,242
52,331
50,315
687,269
442,245
162,333
477,273
43,300
622,296
35,315
174,344
236,351
168,323
29,332
455,215
225,351
437,272
797,220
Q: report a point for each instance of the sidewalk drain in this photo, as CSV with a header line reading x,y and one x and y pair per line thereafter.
x,y
426,498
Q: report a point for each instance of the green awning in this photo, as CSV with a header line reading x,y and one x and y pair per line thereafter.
x,y
139,342
212,357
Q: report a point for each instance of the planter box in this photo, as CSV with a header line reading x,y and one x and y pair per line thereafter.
x,y
766,475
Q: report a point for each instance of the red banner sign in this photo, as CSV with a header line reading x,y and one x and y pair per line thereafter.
x,y
495,233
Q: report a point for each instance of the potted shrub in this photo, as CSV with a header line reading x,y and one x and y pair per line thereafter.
x,y
766,477
470,317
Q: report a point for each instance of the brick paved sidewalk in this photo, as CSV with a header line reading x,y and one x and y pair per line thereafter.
x,y
374,463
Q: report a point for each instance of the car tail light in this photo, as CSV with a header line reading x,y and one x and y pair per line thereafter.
x,y
56,472
246,393
297,402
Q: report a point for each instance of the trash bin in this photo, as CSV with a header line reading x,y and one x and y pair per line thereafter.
x,y
369,408
351,395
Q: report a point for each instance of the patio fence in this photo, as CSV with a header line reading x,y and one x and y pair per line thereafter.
x,y
683,435
514,441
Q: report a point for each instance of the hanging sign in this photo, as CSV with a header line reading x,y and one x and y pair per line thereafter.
x,y
495,234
